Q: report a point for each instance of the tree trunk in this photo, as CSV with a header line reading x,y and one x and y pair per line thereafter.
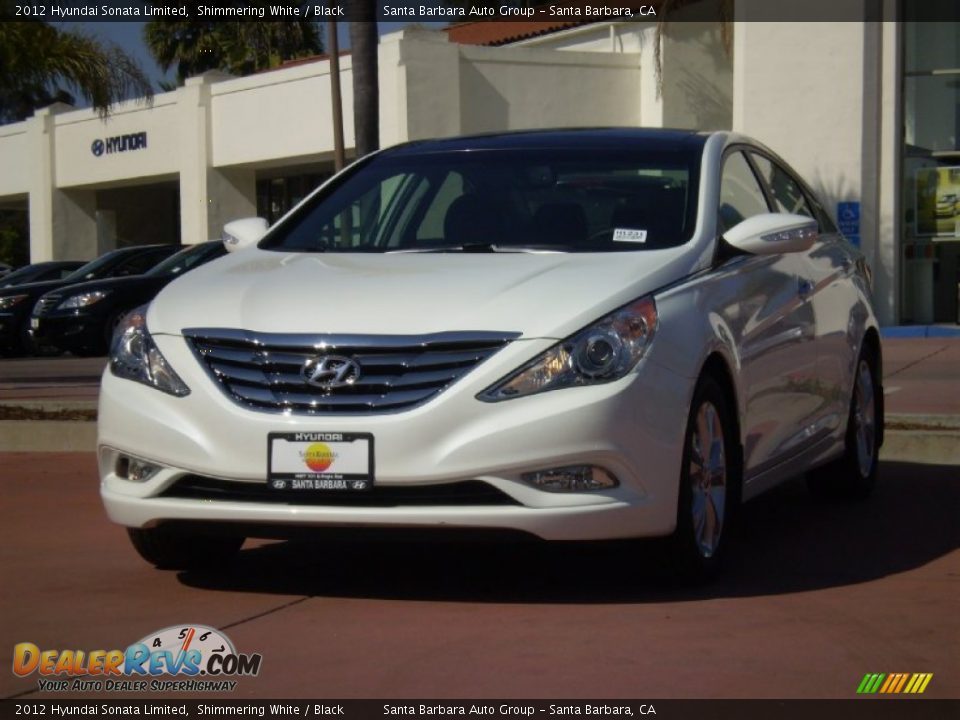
x,y
335,102
366,88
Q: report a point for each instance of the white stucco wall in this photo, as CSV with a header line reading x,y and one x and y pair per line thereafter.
x,y
521,88
826,101
278,115
14,160
75,164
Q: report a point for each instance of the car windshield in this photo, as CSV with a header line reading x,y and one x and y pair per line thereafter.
x,y
93,268
20,275
583,200
185,259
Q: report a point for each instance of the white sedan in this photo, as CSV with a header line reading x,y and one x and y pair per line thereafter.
x,y
574,335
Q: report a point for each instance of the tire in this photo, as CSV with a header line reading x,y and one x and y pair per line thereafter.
x,y
710,481
854,475
171,549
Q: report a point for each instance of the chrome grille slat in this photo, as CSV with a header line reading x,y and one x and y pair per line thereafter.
x,y
262,371
281,380
46,304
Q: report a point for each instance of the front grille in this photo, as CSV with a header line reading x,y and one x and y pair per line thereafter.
x,y
459,494
263,370
46,303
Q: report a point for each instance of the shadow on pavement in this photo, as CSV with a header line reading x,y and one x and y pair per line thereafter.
x,y
787,542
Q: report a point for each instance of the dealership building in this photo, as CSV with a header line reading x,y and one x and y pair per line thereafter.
x,y
867,112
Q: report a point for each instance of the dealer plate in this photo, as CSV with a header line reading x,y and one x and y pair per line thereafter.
x,y
319,462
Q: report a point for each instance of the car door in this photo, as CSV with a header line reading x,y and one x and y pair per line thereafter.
x,y
774,330
826,271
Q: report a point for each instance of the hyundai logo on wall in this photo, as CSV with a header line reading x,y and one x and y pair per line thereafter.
x,y
119,143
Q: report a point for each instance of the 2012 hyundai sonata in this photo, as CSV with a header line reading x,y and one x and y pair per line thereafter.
x,y
576,335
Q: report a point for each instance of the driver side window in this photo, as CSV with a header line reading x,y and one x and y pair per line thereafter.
x,y
740,194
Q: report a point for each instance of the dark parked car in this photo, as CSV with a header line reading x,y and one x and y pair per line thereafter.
x,y
81,318
16,302
40,272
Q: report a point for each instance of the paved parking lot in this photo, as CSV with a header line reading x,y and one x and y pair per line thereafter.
x,y
817,595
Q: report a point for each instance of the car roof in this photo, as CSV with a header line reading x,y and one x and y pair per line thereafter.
x,y
600,138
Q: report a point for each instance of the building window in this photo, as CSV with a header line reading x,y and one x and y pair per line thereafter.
x,y
275,196
930,242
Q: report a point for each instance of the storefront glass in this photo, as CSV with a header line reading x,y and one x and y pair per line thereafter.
x,y
930,247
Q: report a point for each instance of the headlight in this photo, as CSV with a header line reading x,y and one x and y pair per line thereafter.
x,y
9,301
83,300
134,356
604,351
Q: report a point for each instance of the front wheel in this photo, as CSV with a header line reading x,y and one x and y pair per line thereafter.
x,y
175,549
854,474
709,484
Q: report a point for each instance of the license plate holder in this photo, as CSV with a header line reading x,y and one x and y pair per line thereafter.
x,y
307,462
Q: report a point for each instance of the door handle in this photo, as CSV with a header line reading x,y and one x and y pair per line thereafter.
x,y
804,288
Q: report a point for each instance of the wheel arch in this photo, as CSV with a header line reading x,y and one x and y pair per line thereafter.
x,y
717,367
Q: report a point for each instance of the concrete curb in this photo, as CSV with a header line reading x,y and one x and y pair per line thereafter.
x,y
48,436
919,446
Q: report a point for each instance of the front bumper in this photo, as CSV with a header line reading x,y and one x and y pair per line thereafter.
x,y
66,332
633,428
11,324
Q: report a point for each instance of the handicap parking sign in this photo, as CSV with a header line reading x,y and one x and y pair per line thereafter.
x,y
848,220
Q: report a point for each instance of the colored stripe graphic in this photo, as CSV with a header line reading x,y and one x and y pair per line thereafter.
x,y
894,683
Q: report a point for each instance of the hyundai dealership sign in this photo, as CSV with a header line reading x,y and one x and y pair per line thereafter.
x,y
119,143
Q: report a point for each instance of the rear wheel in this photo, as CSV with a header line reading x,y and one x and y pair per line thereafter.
x,y
176,549
709,484
854,474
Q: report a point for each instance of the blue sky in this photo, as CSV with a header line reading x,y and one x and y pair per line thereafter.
x,y
129,36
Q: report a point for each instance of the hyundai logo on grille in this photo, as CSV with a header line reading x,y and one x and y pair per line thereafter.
x,y
330,371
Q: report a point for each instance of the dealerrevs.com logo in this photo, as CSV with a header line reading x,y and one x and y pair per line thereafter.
x,y
200,657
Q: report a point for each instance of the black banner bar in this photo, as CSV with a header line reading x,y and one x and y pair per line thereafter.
x,y
458,11
855,709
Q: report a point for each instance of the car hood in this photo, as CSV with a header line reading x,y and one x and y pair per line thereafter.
x,y
536,294
34,289
118,283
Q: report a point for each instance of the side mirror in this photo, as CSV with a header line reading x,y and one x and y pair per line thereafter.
x,y
773,234
239,234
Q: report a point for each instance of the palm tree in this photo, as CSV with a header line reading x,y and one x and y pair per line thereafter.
x,y
40,64
724,19
237,47
366,79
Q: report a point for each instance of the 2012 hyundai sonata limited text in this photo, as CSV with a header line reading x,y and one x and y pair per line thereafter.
x,y
574,335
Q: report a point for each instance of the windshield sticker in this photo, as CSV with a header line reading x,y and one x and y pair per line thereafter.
x,y
628,235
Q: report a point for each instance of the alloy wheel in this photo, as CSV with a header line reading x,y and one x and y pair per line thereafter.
x,y
708,479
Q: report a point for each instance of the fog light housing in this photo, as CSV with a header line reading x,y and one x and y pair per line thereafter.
x,y
135,469
572,478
